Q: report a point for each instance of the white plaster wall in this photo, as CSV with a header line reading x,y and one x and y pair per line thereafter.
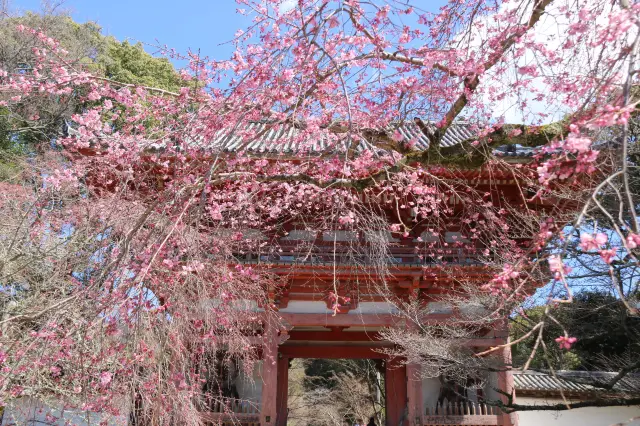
x,y
428,237
374,308
379,236
300,235
250,387
430,392
474,311
589,416
319,307
29,411
340,236
306,307
455,237
439,308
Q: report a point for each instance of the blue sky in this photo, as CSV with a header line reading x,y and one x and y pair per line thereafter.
x,y
201,24
195,24
204,24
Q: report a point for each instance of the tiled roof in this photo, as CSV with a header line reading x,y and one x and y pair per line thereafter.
x,y
572,382
262,137
281,139
456,133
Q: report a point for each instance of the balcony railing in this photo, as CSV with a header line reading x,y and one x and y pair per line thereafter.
x,y
245,413
403,255
461,413
231,411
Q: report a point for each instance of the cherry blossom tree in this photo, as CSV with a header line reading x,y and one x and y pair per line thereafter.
x,y
121,257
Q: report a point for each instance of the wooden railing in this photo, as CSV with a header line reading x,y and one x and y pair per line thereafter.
x,y
344,254
461,413
232,412
245,413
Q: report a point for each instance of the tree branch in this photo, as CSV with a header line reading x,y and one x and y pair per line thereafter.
x,y
472,81
598,402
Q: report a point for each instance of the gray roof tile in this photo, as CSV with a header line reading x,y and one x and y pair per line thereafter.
x,y
281,139
258,137
572,382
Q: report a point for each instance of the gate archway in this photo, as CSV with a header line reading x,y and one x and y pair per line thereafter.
x,y
395,376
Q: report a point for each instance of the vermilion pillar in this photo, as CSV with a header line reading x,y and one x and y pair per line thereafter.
x,y
506,384
415,407
283,390
268,406
395,381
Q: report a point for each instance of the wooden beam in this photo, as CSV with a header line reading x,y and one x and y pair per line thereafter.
x,y
344,320
360,336
395,382
332,352
354,320
334,336
268,407
283,391
344,271
415,408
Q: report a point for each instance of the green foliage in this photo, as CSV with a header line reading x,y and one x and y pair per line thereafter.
x,y
10,151
560,359
130,64
5,129
87,49
598,320
83,42
9,169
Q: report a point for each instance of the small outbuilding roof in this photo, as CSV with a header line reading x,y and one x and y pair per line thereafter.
x,y
572,382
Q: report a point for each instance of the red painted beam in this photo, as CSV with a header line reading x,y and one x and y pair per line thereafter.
x,y
333,336
332,352
362,336
353,320
327,320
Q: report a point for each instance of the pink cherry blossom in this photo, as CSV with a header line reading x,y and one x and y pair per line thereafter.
x,y
105,378
565,342
589,242
633,241
608,255
145,218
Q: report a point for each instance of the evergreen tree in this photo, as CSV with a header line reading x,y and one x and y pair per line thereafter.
x,y
604,329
